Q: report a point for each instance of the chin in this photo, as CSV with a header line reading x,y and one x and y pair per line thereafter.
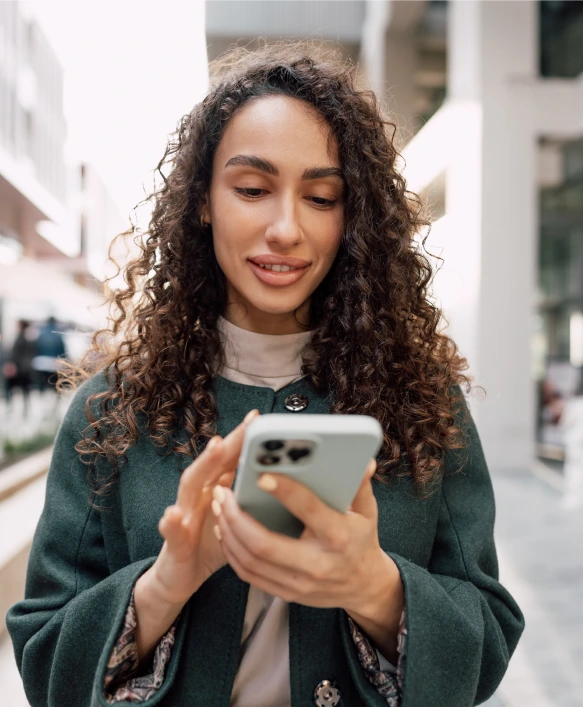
x,y
270,307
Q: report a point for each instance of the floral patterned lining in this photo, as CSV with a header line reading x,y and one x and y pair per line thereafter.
x,y
388,683
121,684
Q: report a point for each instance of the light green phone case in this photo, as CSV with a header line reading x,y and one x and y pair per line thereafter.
x,y
326,452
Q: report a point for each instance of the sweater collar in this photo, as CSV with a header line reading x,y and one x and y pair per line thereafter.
x,y
255,354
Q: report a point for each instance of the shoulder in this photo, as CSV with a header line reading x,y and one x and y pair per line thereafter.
x,y
466,469
77,410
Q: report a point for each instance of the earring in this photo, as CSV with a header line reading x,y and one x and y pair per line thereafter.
x,y
204,224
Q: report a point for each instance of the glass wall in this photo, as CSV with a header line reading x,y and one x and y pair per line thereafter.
x,y
560,299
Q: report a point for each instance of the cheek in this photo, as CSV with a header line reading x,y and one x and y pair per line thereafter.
x,y
234,227
330,240
233,234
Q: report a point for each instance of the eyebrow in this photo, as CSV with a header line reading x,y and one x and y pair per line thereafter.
x,y
311,173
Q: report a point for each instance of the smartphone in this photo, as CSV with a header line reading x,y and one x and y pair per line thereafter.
x,y
326,452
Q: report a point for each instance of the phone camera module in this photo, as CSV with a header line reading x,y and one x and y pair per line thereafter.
x,y
269,459
298,453
273,445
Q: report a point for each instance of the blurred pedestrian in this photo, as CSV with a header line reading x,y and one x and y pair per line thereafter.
x,y
50,346
572,421
18,370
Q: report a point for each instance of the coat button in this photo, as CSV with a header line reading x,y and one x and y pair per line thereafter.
x,y
296,402
326,694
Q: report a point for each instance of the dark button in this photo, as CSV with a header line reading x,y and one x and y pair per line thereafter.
x,y
296,402
326,694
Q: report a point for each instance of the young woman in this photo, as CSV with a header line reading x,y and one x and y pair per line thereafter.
x,y
279,273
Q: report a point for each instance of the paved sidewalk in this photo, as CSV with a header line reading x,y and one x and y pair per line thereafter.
x,y
540,549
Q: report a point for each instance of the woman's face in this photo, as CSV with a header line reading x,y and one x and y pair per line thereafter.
x,y
276,196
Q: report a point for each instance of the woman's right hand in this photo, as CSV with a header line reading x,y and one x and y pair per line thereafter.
x,y
191,552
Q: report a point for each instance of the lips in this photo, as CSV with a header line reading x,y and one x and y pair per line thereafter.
x,y
278,278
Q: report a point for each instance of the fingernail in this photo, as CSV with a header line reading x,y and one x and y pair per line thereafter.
x,y
267,483
213,443
250,415
219,494
217,532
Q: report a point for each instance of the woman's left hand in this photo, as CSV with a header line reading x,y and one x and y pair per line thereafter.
x,y
336,563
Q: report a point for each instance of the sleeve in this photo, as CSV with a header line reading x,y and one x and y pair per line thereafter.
x,y
74,606
122,682
382,674
462,624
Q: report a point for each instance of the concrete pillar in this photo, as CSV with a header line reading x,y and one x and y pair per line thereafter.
x,y
400,65
399,80
492,49
389,59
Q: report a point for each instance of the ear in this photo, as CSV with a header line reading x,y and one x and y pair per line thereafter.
x,y
205,210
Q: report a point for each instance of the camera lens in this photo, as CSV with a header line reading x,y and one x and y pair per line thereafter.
x,y
298,453
269,459
273,445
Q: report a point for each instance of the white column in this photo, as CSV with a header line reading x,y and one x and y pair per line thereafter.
x,y
400,61
492,47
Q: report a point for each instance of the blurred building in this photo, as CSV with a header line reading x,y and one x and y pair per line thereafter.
x,y
488,100
99,221
56,216
233,21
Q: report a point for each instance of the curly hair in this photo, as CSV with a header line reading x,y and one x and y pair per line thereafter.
x,y
376,348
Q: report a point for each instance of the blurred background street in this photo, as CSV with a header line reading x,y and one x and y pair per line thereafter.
x,y
487,101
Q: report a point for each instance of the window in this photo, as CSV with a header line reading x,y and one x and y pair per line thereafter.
x,y
561,38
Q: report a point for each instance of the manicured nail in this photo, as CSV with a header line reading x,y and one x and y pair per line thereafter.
x,y
219,494
267,483
217,532
250,415
213,443
216,507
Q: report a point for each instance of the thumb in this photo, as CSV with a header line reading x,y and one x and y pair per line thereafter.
x,y
364,501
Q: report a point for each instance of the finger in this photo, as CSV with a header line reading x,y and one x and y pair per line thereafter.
x,y
227,479
192,480
219,457
247,560
267,585
233,444
364,502
322,520
278,549
171,528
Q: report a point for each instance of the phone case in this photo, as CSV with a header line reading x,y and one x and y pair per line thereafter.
x,y
326,452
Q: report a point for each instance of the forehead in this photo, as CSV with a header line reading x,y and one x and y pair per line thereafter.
x,y
279,128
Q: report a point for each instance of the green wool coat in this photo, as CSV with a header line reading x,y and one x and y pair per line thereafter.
x,y
463,626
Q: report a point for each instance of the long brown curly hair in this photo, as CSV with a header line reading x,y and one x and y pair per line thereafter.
x,y
376,347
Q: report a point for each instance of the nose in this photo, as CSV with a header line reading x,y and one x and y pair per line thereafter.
x,y
284,229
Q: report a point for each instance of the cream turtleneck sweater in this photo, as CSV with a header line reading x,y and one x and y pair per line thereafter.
x,y
263,675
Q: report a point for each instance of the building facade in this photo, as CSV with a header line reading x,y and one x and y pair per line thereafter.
x,y
33,172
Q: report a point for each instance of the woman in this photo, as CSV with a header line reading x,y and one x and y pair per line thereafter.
x,y
149,585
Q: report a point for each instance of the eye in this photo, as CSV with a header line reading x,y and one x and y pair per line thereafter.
x,y
249,191
321,202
